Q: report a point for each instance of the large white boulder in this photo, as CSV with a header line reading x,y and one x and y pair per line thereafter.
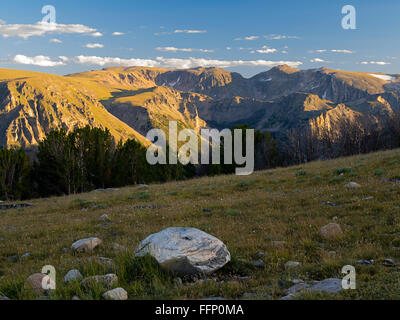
x,y
185,251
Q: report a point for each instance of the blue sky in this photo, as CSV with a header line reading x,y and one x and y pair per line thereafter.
x,y
244,36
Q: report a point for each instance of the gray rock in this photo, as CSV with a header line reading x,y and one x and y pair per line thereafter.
x,y
72,275
292,264
26,255
331,285
389,261
35,283
119,248
86,245
259,263
116,294
75,298
185,251
104,217
352,185
4,298
109,280
364,262
331,230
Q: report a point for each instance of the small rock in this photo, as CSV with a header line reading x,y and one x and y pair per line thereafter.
x,y
26,255
389,261
335,218
143,186
260,254
72,275
352,185
297,281
75,298
367,198
259,263
86,245
34,282
116,294
119,248
65,250
13,258
364,262
331,204
4,298
109,280
331,285
331,230
178,282
332,253
249,295
104,217
292,264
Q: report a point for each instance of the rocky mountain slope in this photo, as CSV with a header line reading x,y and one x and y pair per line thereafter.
x,y
130,101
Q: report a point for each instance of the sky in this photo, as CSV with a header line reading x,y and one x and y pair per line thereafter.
x,y
246,36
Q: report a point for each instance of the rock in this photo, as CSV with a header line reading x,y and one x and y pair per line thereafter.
x,y
86,245
116,294
14,206
105,262
75,298
297,281
367,198
331,285
364,262
389,261
331,204
185,251
178,281
104,217
259,263
72,275
249,295
292,264
65,250
260,254
332,253
118,248
13,258
34,282
352,185
143,186
331,230
3,298
26,255
109,280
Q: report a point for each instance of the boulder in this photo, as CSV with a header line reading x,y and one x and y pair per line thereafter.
x,y
185,251
116,294
86,245
331,285
331,230
72,275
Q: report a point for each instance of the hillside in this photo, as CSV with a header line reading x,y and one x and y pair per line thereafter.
x,y
266,220
131,100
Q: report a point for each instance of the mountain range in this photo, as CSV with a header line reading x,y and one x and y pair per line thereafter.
x,y
131,100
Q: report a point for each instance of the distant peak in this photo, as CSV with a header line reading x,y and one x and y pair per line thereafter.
x,y
286,69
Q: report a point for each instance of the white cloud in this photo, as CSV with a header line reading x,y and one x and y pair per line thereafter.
x,y
63,58
279,37
249,38
97,34
228,48
42,61
118,33
333,50
381,63
2,21
190,31
55,40
196,62
102,61
94,45
265,49
341,51
317,60
173,49
26,31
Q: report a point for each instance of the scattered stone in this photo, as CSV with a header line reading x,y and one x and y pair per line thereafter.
x,y
331,285
119,248
152,207
86,245
364,262
185,251
353,185
367,198
26,255
116,294
72,275
259,263
331,230
104,217
34,282
331,204
109,280
292,264
14,206
389,261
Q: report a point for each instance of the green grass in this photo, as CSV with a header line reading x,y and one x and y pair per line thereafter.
x,y
249,214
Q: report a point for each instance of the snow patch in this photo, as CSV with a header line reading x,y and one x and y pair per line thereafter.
x,y
266,80
383,77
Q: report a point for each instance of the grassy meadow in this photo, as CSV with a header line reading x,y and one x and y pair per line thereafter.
x,y
273,215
